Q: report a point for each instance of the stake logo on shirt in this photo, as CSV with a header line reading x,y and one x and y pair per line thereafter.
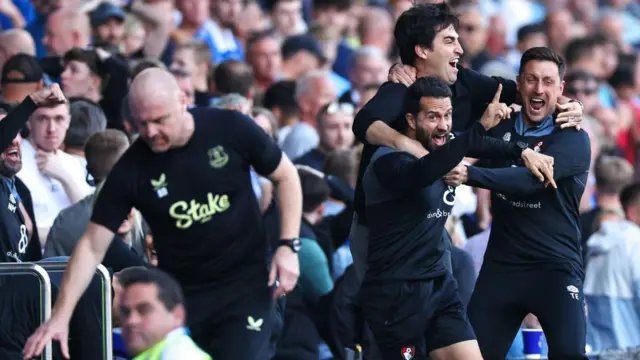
x,y
186,213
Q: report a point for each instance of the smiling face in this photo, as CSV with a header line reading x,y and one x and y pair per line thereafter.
x,y
442,58
540,86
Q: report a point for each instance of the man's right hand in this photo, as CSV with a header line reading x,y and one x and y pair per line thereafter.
x,y
56,328
540,165
48,96
495,112
402,74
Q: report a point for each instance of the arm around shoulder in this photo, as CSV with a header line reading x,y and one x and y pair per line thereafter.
x,y
383,108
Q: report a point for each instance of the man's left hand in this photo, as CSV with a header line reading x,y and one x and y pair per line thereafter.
x,y
402,74
457,176
286,268
570,115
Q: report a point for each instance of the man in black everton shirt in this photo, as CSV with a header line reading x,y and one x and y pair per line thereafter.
x,y
189,177
409,298
533,263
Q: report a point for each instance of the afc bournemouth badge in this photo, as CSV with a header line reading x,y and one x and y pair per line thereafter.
x,y
408,352
538,146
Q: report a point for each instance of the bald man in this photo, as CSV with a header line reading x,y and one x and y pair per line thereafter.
x,y
66,29
189,177
15,41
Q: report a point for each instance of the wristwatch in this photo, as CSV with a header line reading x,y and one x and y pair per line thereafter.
x,y
294,244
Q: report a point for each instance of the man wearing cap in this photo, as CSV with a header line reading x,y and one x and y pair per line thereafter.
x,y
107,21
21,76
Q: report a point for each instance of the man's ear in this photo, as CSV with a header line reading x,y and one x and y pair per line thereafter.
x,y
411,120
518,82
420,51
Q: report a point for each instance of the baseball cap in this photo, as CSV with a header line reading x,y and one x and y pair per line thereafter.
x,y
105,11
22,69
294,44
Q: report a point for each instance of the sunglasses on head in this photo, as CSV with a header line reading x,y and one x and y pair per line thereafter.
x,y
346,108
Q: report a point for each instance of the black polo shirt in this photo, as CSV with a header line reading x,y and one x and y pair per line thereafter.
x,y
471,93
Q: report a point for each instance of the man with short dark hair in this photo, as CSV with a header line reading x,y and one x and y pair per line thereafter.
x,y
233,76
87,118
409,297
264,56
280,99
535,243
153,315
103,149
428,45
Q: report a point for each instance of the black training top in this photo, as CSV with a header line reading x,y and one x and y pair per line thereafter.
x,y
471,93
198,200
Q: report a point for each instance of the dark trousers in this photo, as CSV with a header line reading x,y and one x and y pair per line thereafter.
x,y
232,324
502,298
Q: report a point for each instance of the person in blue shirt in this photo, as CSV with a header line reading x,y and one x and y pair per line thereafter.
x,y
533,262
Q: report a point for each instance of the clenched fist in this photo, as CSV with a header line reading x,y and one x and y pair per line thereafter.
x,y
48,96
495,112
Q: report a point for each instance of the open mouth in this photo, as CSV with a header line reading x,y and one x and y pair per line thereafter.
x,y
536,104
439,140
454,63
12,155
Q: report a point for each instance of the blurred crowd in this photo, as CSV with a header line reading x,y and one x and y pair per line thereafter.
x,y
302,69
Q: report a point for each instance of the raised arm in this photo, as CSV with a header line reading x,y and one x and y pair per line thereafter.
x,y
15,120
11,125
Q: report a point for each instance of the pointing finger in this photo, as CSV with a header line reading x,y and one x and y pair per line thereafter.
x,y
496,97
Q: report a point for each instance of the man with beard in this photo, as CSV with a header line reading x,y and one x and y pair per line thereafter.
x,y
16,222
409,299
18,233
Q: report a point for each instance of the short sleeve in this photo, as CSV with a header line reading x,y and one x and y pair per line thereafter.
x,y
262,153
116,196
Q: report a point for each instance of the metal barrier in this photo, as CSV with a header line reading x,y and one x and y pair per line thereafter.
x,y
107,345
45,291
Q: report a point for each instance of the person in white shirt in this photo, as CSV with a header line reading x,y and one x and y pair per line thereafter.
x,y
55,179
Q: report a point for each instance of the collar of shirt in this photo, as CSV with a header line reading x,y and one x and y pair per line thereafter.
x,y
544,128
11,183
